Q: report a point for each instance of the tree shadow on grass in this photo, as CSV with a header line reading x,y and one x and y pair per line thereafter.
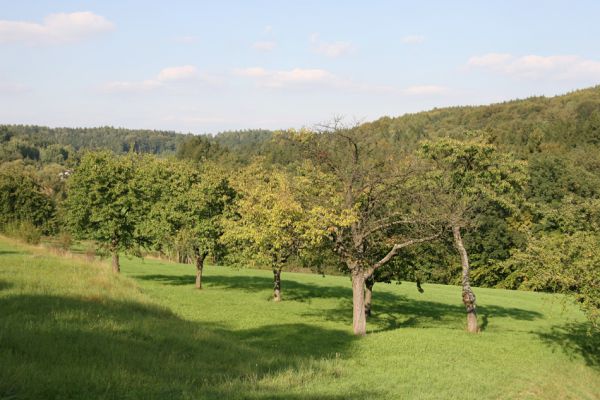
x,y
4,285
66,347
390,311
9,252
575,340
291,290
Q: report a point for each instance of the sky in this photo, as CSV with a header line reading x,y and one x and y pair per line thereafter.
x,y
205,67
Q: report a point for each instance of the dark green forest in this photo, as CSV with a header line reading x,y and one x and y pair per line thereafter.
x,y
504,195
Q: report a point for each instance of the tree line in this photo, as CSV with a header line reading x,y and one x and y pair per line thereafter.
x,y
396,199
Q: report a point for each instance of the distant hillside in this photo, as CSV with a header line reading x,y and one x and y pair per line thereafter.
x,y
563,125
537,124
119,140
529,125
41,143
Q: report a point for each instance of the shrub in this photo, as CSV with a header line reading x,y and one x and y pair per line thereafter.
x,y
64,241
23,230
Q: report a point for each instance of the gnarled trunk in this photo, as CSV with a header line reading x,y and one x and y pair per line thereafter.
x,y
359,320
276,284
200,256
468,296
369,283
114,249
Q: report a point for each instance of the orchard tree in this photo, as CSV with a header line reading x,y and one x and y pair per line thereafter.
x,y
102,202
466,178
265,226
207,202
183,204
364,197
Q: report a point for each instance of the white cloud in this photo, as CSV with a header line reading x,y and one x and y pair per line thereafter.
x,y
330,49
125,86
166,77
412,39
55,28
279,79
425,90
559,67
268,30
305,77
489,60
177,73
264,46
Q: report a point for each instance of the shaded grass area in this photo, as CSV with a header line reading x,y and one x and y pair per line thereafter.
x,y
67,342
575,340
70,329
122,347
391,310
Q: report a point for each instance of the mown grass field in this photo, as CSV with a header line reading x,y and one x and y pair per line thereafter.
x,y
71,329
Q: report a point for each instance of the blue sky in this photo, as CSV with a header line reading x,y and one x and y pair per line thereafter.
x,y
204,67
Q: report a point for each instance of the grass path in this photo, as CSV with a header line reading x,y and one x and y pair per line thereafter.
x,y
70,329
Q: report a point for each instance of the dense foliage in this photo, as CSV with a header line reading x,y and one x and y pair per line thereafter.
x,y
518,181
23,198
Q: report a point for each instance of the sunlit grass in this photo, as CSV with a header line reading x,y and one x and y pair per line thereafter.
x,y
69,328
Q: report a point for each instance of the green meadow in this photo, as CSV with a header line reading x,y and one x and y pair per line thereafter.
x,y
71,329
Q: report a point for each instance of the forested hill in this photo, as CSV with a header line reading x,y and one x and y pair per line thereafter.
x,y
523,126
118,140
56,145
559,125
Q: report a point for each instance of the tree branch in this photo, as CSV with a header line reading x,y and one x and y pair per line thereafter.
x,y
394,252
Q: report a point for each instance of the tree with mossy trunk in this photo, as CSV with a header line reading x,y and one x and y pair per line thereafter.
x,y
365,197
183,204
102,202
466,178
265,225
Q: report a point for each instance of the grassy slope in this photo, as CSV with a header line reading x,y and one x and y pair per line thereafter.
x,y
70,329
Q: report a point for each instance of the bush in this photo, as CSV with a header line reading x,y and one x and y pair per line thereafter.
x,y
23,230
22,197
64,241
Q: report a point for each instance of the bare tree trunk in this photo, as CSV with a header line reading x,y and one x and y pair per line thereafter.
x,y
468,296
369,283
200,256
277,284
359,320
116,266
114,248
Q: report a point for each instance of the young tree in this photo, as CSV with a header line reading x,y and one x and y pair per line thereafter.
x,y
183,204
363,195
265,225
102,201
467,177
